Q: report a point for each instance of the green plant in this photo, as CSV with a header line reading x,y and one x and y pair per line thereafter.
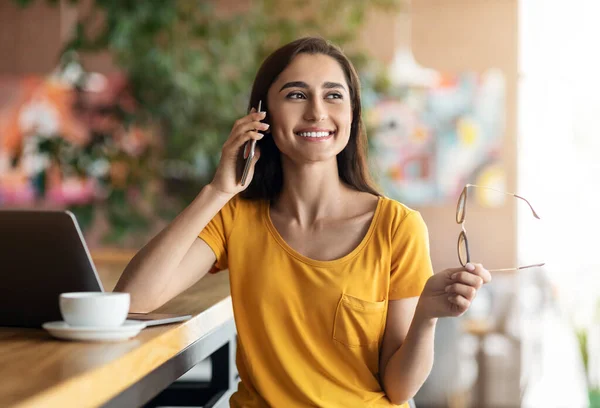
x,y
190,68
582,334
582,338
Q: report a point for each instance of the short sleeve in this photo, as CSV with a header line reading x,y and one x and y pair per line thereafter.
x,y
217,232
411,261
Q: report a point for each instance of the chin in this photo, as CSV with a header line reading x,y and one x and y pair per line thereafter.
x,y
317,157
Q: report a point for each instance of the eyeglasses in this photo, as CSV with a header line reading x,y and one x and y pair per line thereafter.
x,y
463,243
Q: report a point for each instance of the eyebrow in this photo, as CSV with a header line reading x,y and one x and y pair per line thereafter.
x,y
301,84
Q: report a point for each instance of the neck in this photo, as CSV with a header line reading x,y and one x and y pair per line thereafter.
x,y
311,191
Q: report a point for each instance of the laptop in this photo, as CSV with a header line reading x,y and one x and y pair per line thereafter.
x,y
43,254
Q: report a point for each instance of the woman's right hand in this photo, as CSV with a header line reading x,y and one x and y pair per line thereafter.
x,y
244,129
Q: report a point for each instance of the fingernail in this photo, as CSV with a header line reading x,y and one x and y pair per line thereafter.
x,y
246,151
265,126
252,110
263,114
447,288
470,267
454,275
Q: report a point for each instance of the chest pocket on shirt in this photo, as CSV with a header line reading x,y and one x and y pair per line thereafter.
x,y
358,323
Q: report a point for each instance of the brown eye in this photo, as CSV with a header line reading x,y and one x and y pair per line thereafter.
x,y
296,95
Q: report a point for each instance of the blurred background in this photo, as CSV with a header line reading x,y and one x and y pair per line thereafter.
x,y
117,110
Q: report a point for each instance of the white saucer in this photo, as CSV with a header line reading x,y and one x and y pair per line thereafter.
x,y
62,330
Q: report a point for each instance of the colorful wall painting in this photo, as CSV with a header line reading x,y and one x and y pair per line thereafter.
x,y
428,142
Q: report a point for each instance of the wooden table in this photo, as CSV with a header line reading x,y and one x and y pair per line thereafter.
x,y
38,371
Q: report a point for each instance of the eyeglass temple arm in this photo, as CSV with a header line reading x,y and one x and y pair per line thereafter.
x,y
516,269
512,194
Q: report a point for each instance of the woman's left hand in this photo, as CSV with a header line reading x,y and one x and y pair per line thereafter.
x,y
449,293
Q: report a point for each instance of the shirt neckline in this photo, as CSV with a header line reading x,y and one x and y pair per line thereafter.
x,y
277,236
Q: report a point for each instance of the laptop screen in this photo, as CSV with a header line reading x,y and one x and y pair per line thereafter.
x,y
42,254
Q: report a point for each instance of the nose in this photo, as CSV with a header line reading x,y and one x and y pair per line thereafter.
x,y
315,111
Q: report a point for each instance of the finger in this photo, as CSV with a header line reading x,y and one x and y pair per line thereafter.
x,y
461,304
252,165
254,125
256,156
482,273
233,146
252,135
244,137
466,291
468,278
251,117
468,267
247,149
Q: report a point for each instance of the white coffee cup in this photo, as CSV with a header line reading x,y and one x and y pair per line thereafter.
x,y
97,309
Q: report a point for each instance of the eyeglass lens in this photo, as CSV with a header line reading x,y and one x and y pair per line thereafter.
x,y
463,249
461,206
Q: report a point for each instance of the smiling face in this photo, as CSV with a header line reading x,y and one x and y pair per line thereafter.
x,y
310,109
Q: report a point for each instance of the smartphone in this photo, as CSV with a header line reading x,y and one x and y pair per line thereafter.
x,y
252,144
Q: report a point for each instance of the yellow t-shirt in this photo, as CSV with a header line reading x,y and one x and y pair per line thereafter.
x,y
309,331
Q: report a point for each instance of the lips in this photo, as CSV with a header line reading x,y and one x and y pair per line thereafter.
x,y
318,137
314,133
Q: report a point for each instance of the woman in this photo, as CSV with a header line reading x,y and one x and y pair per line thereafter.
x,y
334,298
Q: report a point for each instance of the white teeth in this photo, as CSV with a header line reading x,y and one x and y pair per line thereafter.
x,y
313,134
